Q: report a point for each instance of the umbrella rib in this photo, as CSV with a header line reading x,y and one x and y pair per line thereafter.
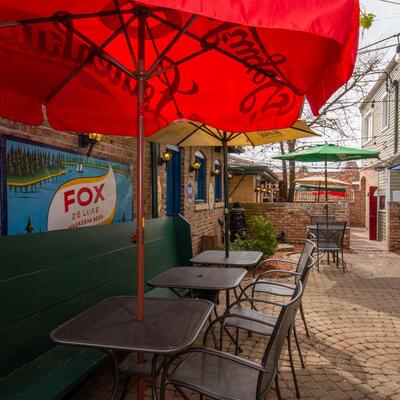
x,y
222,51
178,112
123,26
189,135
207,130
275,66
245,134
96,50
172,43
176,63
58,17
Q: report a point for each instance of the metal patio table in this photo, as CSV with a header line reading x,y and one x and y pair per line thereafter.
x,y
169,326
236,258
200,278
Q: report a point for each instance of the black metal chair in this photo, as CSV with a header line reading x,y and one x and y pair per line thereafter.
x,y
330,240
299,273
265,322
224,376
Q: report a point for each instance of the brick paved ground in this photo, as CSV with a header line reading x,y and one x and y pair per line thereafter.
x,y
354,350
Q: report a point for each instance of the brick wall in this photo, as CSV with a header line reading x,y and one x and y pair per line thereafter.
x,y
292,218
203,220
241,189
357,211
393,239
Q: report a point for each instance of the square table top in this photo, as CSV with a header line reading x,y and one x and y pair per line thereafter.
x,y
169,325
206,278
237,258
330,226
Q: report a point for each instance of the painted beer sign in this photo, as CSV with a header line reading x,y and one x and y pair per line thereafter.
x,y
50,189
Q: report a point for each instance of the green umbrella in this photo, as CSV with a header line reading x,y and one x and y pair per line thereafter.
x,y
327,152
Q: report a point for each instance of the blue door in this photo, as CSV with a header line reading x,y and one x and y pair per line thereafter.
x,y
174,183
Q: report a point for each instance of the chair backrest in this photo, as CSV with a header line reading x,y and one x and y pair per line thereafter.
x,y
331,233
276,342
321,218
308,249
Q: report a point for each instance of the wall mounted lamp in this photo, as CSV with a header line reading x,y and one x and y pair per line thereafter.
x,y
90,139
230,175
195,166
165,157
215,171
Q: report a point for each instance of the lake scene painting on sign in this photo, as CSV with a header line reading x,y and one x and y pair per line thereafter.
x,y
50,189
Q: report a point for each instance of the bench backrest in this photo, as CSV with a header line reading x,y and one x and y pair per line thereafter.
x,y
46,278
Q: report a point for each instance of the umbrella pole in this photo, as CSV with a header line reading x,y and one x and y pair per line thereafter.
x,y
226,196
141,82
326,189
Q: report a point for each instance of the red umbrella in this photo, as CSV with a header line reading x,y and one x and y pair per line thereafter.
x,y
336,194
129,68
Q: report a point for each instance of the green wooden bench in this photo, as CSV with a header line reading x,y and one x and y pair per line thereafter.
x,y
47,278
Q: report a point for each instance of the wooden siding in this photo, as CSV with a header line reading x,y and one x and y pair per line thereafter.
x,y
394,182
382,226
383,138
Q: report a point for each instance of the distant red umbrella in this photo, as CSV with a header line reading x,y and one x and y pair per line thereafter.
x,y
335,194
129,68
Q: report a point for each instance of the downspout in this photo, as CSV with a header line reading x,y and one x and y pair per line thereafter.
x,y
396,115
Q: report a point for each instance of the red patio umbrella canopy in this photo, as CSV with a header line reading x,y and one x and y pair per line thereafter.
x,y
238,66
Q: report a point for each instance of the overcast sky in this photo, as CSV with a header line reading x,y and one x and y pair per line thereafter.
x,y
387,23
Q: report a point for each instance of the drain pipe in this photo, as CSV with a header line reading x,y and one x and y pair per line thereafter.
x,y
396,115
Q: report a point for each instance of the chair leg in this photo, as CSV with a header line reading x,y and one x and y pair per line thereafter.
x,y
298,347
304,319
317,260
181,392
277,388
289,342
343,263
125,388
237,342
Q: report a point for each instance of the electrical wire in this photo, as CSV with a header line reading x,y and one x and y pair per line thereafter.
x,y
390,2
396,35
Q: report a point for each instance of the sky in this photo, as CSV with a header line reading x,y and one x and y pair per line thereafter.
x,y
386,23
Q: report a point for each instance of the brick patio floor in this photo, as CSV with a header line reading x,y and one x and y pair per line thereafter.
x,y
354,349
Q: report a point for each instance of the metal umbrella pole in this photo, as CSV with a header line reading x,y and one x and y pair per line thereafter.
x,y
141,82
226,194
326,189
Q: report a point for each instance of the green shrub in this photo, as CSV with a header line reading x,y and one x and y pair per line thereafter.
x,y
260,237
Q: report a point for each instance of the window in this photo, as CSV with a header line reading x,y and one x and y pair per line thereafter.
x,y
218,180
382,202
385,111
200,178
367,128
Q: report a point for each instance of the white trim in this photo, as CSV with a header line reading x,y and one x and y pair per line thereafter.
x,y
369,114
386,104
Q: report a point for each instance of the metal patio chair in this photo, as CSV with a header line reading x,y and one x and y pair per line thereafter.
x,y
224,376
299,273
265,321
330,240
